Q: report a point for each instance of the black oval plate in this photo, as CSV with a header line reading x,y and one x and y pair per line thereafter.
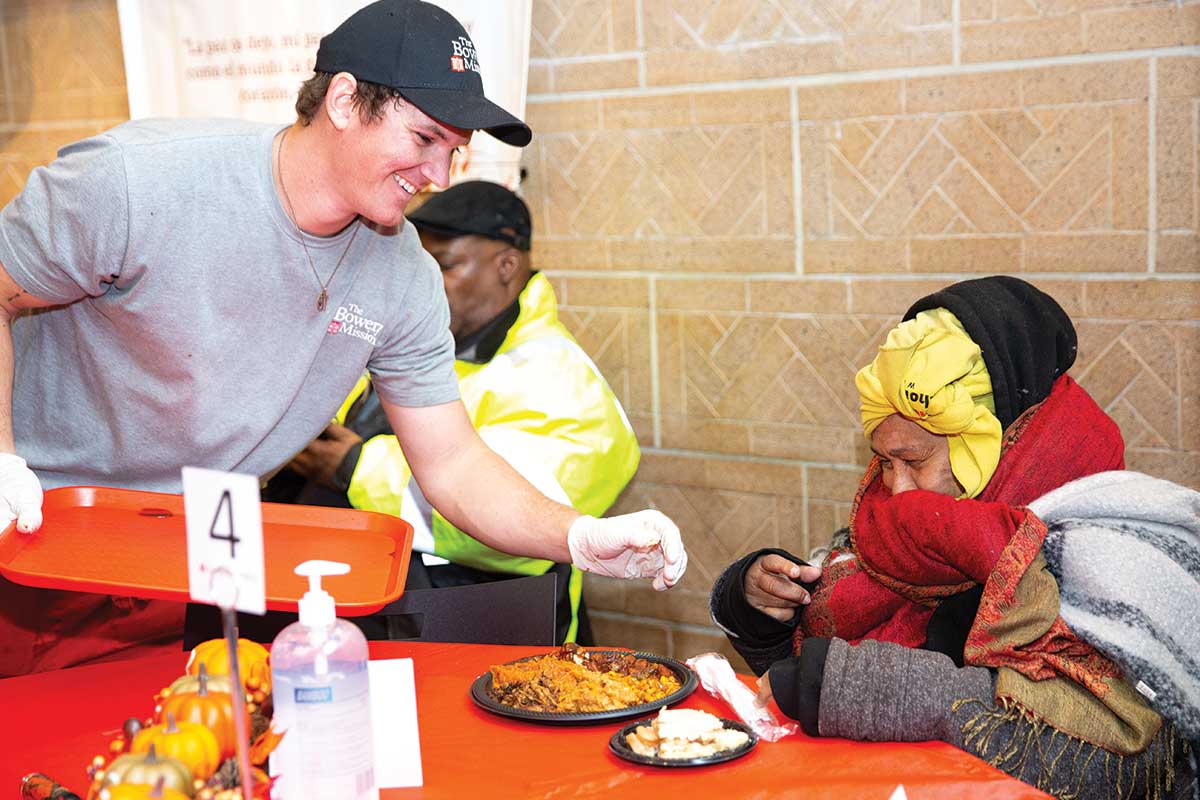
x,y
687,685
621,748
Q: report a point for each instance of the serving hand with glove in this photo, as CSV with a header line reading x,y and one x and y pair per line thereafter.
x,y
480,493
20,494
645,544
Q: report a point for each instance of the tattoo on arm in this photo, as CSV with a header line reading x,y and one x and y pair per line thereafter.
x,y
16,296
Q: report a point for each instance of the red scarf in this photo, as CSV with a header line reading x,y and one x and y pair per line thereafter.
x,y
909,551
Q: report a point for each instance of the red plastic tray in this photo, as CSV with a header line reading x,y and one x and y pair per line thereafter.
x,y
130,543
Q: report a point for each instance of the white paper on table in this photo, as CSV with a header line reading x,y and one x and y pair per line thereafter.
x,y
394,723
899,794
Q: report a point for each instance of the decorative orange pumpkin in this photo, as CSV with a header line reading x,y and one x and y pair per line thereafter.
x,y
252,662
193,744
191,683
212,709
135,791
146,768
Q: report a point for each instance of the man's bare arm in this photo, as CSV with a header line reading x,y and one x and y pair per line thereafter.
x,y
13,300
475,489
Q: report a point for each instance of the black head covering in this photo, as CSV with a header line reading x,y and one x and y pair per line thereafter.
x,y
1026,338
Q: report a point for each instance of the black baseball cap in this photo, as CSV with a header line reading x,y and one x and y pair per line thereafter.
x,y
422,52
480,208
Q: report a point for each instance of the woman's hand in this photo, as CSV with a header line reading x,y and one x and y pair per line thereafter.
x,y
772,587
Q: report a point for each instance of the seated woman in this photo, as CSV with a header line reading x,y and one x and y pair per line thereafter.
x,y
935,616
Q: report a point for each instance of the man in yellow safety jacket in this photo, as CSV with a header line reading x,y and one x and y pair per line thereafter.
x,y
531,391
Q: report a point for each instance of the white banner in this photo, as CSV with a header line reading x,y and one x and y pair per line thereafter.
x,y
233,58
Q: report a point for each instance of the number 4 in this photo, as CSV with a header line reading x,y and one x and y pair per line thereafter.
x,y
225,505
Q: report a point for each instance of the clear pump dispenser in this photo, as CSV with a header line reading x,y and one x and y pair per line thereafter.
x,y
321,693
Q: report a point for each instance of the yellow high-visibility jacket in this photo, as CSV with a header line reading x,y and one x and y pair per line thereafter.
x,y
542,405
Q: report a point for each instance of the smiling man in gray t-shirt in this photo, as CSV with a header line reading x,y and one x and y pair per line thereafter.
x,y
207,293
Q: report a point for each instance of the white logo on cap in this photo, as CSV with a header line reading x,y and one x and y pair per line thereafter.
x,y
463,58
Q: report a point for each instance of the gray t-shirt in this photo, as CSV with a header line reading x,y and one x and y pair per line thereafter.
x,y
189,333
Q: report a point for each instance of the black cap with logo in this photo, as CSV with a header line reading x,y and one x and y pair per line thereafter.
x,y
479,208
423,52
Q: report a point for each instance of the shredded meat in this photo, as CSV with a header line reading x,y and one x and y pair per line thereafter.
x,y
574,680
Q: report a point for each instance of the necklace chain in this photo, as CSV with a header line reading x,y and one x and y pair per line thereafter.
x,y
323,297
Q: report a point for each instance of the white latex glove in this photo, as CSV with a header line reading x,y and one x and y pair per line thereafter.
x,y
20,494
645,544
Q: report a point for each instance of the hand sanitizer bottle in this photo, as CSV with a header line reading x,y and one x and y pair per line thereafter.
x,y
321,693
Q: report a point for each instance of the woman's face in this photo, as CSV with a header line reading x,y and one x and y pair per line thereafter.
x,y
913,458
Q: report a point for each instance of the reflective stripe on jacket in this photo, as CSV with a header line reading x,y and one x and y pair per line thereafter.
x,y
543,405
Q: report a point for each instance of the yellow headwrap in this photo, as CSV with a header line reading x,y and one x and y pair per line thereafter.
x,y
931,372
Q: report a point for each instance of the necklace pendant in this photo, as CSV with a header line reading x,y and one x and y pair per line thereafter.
x,y
322,300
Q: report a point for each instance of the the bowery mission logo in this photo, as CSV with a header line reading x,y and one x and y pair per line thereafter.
x,y
349,320
463,58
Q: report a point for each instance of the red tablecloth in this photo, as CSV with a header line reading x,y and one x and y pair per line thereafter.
x,y
55,722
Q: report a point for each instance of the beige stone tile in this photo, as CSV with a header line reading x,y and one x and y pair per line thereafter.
x,y
1188,343
1109,373
578,28
701,295
1129,183
1143,299
891,298
618,630
1114,252
604,594
1068,293
562,115
799,296
962,93
582,76
624,25
1086,83
1003,41
680,66
619,344
1172,465
713,436
540,81
1178,253
825,519
837,485
1178,164
855,256
1178,77
744,255
675,469
803,442
999,168
743,107
63,62
562,254
606,292
686,606
689,642
1137,28
850,100
967,255
649,111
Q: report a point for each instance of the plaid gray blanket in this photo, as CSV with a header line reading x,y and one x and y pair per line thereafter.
x,y
1125,548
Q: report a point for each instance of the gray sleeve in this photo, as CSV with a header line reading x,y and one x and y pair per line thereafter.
x,y
885,692
65,236
414,364
879,691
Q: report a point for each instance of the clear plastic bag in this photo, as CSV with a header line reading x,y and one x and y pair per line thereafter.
x,y
718,679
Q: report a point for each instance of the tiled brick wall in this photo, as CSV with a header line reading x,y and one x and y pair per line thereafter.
x,y
737,199
62,78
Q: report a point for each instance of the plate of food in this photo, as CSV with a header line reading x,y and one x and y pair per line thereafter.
x,y
682,737
574,686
